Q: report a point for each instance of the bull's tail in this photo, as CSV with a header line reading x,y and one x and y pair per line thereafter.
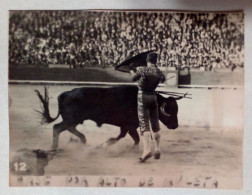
x,y
46,117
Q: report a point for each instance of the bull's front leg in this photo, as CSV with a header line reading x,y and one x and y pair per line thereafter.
x,y
134,134
113,140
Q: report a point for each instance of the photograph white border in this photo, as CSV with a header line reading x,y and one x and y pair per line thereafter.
x,y
199,5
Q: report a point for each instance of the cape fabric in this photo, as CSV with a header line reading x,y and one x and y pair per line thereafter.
x,y
133,62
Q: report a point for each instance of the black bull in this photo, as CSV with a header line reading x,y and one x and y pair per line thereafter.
x,y
111,105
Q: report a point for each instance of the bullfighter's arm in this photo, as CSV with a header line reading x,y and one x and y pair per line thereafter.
x,y
162,77
135,76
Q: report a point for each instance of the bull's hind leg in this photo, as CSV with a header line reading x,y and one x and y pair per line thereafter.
x,y
135,136
74,131
57,129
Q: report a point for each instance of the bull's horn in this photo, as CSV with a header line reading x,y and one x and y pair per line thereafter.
x,y
178,98
163,109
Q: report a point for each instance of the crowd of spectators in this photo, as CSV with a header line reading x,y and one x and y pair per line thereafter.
x,y
106,38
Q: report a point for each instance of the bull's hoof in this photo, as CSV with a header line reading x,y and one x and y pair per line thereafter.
x,y
111,141
72,140
83,141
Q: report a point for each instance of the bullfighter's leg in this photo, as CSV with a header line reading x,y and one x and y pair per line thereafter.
x,y
155,128
135,136
74,131
122,134
157,143
57,129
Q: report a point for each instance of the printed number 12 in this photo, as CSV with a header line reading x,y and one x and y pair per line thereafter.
x,y
20,166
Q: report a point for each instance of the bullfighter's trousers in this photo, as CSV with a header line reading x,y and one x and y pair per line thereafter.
x,y
147,112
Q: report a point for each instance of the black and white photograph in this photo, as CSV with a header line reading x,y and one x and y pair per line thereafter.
x,y
126,98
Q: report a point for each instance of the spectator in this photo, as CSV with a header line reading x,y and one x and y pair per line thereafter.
x,y
79,37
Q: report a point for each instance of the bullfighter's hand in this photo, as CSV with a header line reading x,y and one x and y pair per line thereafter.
x,y
132,72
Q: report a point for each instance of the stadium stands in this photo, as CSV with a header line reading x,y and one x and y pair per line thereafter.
x,y
105,38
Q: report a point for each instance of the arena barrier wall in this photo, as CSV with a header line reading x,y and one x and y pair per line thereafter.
x,y
210,106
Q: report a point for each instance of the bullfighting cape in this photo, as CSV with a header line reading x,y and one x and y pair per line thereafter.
x,y
133,62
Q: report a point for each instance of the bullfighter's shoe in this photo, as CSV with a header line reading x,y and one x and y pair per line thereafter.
x,y
157,155
142,160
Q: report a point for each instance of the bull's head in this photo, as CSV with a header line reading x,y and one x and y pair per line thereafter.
x,y
168,110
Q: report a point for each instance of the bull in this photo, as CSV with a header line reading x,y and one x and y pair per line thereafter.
x,y
104,105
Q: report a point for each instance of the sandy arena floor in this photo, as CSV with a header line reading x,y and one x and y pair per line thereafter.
x,y
197,151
